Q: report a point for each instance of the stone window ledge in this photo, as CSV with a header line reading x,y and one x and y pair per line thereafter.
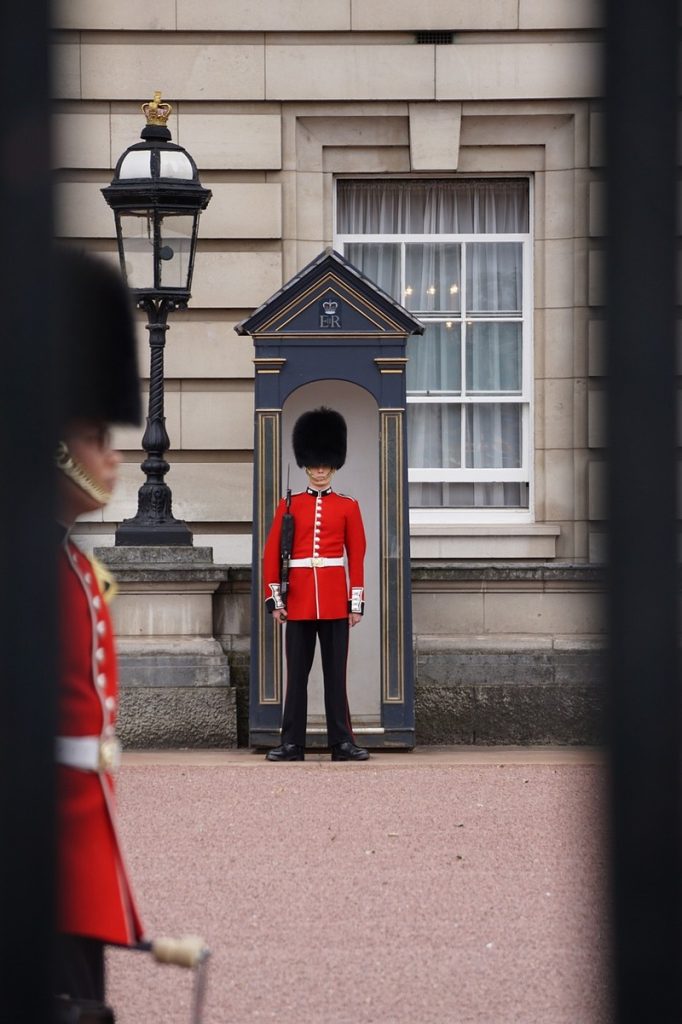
x,y
424,573
512,643
484,541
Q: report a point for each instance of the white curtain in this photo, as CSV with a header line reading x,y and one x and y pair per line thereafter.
x,y
432,207
448,435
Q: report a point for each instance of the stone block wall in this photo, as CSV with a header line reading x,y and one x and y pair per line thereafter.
x,y
489,667
501,655
175,685
517,690
509,654
274,101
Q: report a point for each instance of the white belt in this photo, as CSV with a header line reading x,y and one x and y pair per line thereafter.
x,y
313,563
89,753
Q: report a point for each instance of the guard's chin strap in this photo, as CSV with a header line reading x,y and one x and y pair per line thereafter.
x,y
75,472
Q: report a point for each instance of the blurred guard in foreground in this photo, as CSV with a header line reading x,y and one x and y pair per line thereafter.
x,y
100,386
319,601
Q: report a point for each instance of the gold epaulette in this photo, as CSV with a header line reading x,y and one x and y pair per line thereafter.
x,y
106,581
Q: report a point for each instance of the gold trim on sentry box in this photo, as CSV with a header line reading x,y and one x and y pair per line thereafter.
x,y
268,421
315,290
391,423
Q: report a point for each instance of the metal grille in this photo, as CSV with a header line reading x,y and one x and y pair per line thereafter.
x,y
442,38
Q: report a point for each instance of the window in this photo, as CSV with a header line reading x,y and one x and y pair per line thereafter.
x,y
456,253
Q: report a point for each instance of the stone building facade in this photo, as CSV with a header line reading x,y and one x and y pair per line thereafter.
x,y
286,106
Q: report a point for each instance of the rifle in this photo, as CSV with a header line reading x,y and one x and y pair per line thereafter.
x,y
286,545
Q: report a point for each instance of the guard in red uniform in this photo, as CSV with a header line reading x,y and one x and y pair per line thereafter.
x,y
95,904
321,601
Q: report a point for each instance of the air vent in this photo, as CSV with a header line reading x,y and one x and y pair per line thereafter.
x,y
437,38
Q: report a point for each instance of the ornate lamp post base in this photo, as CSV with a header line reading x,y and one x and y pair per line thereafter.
x,y
132,533
154,522
152,525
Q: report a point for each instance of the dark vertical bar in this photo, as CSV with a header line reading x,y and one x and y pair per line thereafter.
x,y
27,549
645,706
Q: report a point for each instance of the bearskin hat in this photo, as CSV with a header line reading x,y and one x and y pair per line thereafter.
x,y
319,438
95,349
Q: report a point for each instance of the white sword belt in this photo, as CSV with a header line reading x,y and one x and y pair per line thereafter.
x,y
88,753
313,563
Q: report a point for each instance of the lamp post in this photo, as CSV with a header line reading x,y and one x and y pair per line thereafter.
x,y
157,198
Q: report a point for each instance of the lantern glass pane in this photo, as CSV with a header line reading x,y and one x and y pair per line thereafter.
x,y
137,237
174,164
136,164
175,251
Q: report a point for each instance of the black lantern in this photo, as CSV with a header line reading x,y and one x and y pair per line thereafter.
x,y
157,198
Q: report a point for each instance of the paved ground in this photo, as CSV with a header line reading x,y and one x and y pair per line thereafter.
x,y
449,886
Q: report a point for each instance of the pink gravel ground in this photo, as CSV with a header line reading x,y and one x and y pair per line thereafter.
x,y
377,893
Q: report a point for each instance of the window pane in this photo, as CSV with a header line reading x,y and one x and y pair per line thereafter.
x,y
443,206
434,436
466,293
506,495
432,277
494,277
493,357
493,436
435,359
379,262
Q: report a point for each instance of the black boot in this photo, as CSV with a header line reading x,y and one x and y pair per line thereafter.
x,y
286,752
348,751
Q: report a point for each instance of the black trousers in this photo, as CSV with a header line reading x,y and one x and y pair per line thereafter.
x,y
300,651
79,968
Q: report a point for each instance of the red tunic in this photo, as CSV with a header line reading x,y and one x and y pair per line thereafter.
x,y
325,525
93,893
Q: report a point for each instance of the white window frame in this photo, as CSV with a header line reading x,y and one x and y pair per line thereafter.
x,y
525,473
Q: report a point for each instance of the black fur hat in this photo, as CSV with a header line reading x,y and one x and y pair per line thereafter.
x,y
319,438
95,349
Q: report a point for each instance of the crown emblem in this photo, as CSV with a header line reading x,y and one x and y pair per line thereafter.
x,y
155,111
330,306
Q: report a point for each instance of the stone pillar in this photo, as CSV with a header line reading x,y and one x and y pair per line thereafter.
x,y
175,676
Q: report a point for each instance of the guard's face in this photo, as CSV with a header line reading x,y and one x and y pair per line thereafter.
x,y
89,443
319,476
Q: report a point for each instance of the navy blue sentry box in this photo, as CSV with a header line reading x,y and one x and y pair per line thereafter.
x,y
331,336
